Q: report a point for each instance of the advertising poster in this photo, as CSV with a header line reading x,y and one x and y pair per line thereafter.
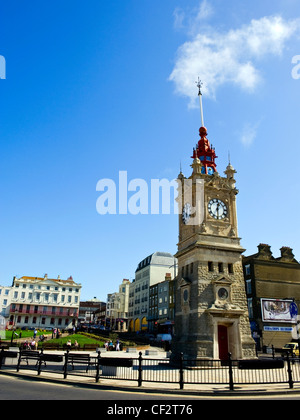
x,y
277,310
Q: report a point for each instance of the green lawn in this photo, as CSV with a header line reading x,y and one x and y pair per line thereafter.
x,y
80,338
24,334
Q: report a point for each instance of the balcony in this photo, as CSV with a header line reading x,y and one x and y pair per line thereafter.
x,y
47,312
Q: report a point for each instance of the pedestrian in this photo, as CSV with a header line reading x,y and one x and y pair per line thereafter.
x,y
32,344
34,333
118,345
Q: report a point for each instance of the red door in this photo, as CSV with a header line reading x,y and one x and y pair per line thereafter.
x,y
223,342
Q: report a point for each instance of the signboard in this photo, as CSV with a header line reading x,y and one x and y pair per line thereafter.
x,y
278,310
281,329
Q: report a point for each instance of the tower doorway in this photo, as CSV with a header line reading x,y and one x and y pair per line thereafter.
x,y
223,342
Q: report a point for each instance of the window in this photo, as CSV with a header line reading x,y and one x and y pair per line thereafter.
x,y
23,295
210,266
248,287
230,268
16,295
250,308
220,267
247,270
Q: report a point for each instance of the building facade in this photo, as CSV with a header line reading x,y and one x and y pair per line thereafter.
x,y
161,306
117,306
273,289
211,315
5,297
44,303
89,312
151,270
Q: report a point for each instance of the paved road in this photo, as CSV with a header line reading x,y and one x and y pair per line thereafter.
x,y
14,388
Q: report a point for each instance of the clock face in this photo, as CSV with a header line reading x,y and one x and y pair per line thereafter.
x,y
217,209
186,213
223,293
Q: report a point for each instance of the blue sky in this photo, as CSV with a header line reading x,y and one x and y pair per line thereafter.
x,y
93,88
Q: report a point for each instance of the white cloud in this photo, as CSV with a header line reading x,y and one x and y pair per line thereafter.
x,y
191,19
230,57
248,134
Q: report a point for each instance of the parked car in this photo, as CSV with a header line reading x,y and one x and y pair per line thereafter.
x,y
290,348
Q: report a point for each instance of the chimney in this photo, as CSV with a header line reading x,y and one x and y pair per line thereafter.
x,y
286,254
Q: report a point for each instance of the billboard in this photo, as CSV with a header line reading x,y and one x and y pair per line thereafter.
x,y
277,310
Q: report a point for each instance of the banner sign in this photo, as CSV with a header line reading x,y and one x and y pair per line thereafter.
x,y
277,310
281,329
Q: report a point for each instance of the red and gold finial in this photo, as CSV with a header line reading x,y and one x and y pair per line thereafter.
x,y
203,150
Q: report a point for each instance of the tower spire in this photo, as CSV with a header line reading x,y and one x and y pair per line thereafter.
x,y
204,151
199,86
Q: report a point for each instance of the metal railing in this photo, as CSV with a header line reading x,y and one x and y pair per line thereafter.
x,y
142,370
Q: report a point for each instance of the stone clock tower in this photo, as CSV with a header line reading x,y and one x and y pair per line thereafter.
x,y
211,314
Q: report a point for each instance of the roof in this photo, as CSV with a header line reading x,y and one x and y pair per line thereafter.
x,y
69,281
157,258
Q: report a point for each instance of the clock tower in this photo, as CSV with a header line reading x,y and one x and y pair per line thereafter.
x,y
211,313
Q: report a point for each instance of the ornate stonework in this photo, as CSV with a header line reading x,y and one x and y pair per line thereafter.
x,y
211,314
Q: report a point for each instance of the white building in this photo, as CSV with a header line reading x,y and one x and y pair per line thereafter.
x,y
42,302
151,270
5,295
117,307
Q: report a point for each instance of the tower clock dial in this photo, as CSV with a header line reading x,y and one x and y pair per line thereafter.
x,y
217,209
186,213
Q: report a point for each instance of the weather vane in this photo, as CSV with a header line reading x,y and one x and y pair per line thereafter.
x,y
199,86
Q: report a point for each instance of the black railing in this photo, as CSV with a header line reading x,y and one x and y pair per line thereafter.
x,y
143,369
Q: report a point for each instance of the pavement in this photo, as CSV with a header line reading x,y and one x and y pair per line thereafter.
x,y
264,390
